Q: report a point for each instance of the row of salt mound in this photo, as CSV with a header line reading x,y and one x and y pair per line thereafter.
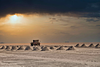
x,y
8,47
91,45
20,48
44,48
62,48
5,47
36,48
51,47
13,48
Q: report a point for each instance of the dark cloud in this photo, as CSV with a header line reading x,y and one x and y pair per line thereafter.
x,y
62,33
50,7
52,18
64,20
92,20
74,27
98,25
96,15
64,24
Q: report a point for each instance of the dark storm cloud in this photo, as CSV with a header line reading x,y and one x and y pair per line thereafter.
x,y
80,7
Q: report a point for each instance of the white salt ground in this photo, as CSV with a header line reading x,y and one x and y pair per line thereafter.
x,y
80,57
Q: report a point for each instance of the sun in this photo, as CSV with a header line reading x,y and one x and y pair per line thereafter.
x,y
15,18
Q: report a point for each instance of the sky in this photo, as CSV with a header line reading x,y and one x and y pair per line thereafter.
x,y
50,21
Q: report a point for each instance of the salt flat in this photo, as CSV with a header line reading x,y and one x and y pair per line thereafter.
x,y
80,57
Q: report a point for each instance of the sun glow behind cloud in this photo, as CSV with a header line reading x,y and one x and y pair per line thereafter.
x,y
13,19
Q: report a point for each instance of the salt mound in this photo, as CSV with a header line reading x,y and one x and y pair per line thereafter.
x,y
65,46
61,48
45,49
97,45
91,45
21,48
56,46
52,47
36,48
14,48
42,47
77,45
2,47
71,48
28,48
83,45
8,48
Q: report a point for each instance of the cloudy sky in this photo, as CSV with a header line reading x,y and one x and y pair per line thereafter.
x,y
50,21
